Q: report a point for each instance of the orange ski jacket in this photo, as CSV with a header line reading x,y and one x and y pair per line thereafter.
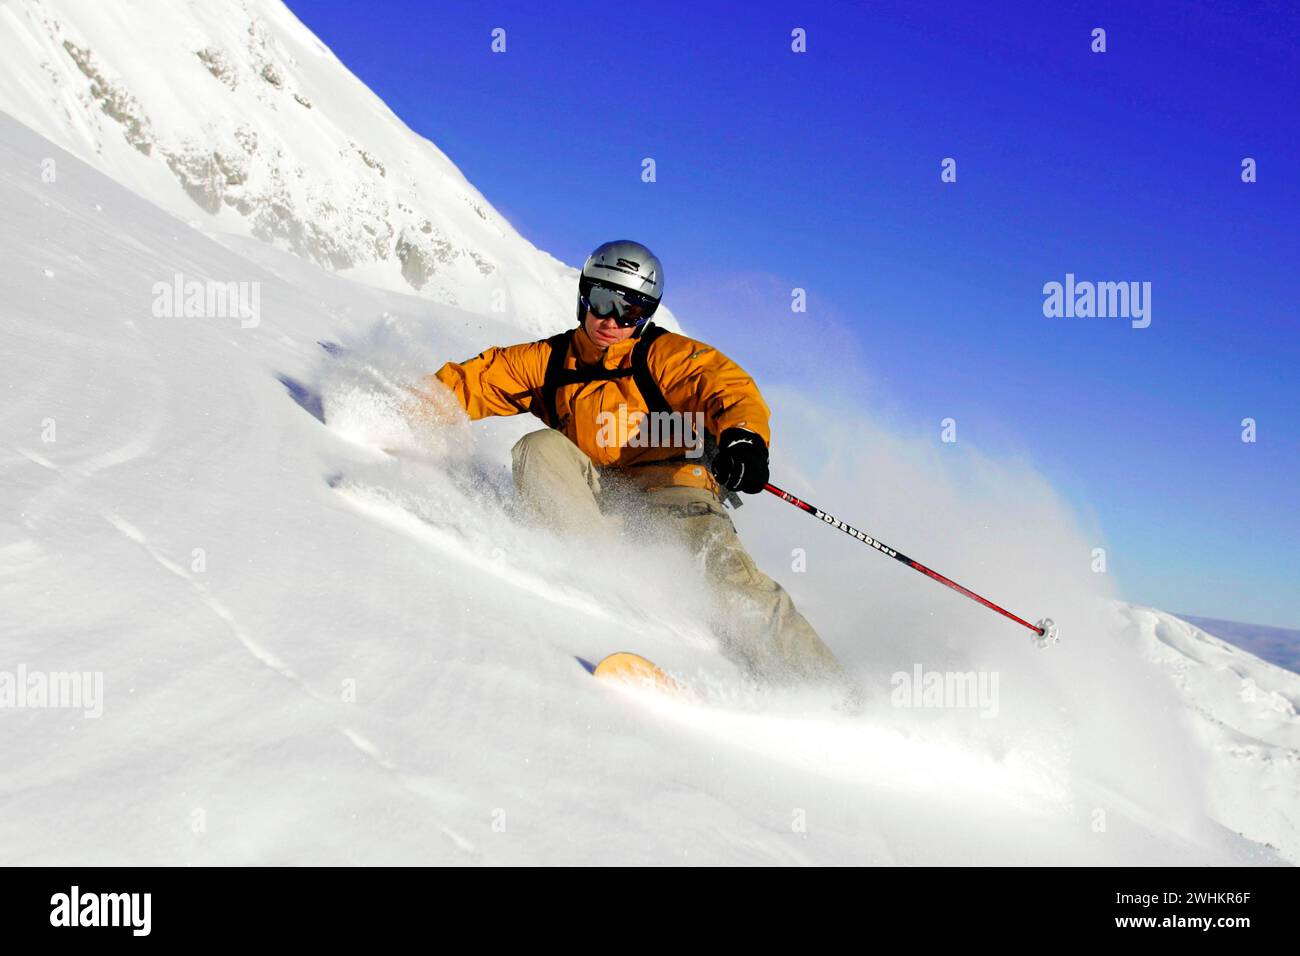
x,y
610,418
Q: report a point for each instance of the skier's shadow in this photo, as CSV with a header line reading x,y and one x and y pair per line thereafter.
x,y
307,398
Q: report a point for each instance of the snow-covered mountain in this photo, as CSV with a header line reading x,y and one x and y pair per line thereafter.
x,y
1277,645
232,114
1244,715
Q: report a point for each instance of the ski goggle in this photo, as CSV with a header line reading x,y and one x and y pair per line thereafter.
x,y
624,307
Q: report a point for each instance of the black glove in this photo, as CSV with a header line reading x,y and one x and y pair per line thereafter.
x,y
741,462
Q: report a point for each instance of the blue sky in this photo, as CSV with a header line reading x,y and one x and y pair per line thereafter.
x,y
821,170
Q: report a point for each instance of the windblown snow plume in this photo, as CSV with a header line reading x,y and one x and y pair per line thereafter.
x,y
375,395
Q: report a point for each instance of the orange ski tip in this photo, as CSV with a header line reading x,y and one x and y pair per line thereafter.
x,y
628,668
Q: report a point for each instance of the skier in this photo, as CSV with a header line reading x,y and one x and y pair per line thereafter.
x,y
609,392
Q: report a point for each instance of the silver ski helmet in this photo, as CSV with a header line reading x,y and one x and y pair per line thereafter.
x,y
629,270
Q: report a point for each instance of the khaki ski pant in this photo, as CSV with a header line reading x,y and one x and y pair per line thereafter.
x,y
755,619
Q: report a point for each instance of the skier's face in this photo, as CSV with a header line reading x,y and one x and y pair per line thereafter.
x,y
605,332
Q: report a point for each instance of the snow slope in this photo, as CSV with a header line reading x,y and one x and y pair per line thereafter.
x,y
1277,645
232,114
315,651
1244,712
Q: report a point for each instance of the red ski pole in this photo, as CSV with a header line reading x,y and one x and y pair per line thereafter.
x,y
1045,631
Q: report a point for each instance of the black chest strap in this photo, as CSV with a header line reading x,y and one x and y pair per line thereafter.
x,y
557,376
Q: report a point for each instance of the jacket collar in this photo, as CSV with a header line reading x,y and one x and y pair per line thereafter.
x,y
589,353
